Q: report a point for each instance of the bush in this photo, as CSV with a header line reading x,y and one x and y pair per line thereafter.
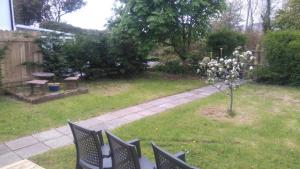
x,y
283,58
177,67
226,39
94,56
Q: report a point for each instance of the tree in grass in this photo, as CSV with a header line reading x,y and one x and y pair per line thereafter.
x,y
170,22
228,71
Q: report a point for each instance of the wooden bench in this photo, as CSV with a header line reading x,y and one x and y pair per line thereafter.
x,y
34,83
71,82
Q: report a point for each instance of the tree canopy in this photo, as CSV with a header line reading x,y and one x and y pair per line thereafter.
x,y
289,17
175,23
29,11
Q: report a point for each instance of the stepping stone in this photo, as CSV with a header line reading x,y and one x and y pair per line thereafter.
x,y
59,142
47,135
8,158
21,142
32,150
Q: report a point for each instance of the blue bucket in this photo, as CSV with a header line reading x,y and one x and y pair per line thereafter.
x,y
54,88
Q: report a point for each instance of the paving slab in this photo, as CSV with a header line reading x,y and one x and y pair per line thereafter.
x,y
89,122
64,130
59,142
8,158
32,150
47,135
21,142
3,149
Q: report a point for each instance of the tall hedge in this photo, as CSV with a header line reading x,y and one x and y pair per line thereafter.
x,y
226,39
283,57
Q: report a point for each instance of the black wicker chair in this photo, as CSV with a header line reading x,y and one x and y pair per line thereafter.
x,y
165,160
127,155
92,153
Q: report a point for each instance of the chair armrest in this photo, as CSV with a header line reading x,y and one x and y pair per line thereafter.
x,y
136,143
100,137
180,155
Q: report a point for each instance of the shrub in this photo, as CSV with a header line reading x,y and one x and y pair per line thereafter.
x,y
226,39
52,48
283,58
94,56
177,67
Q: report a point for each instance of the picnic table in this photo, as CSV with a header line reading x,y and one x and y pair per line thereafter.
x,y
43,75
33,83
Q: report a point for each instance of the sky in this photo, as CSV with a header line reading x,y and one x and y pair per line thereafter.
x,y
96,12
93,15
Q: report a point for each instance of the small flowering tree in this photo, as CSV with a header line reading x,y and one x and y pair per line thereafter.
x,y
228,71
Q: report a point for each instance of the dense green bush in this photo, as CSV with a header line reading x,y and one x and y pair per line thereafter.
x,y
177,67
93,56
52,48
283,57
226,39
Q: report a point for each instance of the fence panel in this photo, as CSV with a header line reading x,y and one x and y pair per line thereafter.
x,y
21,49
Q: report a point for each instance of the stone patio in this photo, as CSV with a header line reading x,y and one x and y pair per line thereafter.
x,y
25,147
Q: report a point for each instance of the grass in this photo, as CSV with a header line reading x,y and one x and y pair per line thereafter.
x,y
19,118
263,134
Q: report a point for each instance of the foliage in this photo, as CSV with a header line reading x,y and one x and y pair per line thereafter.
x,y
177,67
172,23
227,40
93,56
64,27
29,11
228,70
54,59
283,58
289,17
2,53
230,18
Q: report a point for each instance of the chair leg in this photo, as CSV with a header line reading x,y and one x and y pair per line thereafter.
x,y
78,166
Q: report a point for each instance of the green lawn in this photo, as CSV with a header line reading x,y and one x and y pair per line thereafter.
x,y
19,118
264,133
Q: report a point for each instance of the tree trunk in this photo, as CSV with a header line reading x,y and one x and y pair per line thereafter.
x,y
231,100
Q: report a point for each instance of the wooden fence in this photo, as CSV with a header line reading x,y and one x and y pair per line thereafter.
x,y
21,49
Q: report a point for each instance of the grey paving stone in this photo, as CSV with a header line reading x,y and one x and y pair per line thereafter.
x,y
47,135
21,142
116,123
32,150
181,101
168,105
59,142
158,109
146,105
106,117
3,149
89,122
147,113
98,127
8,158
133,117
64,130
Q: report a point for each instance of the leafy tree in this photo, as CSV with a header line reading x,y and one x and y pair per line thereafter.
x,y
289,17
170,22
62,7
64,27
29,11
230,18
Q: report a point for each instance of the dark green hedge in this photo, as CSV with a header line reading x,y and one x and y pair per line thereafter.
x,y
226,39
283,57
